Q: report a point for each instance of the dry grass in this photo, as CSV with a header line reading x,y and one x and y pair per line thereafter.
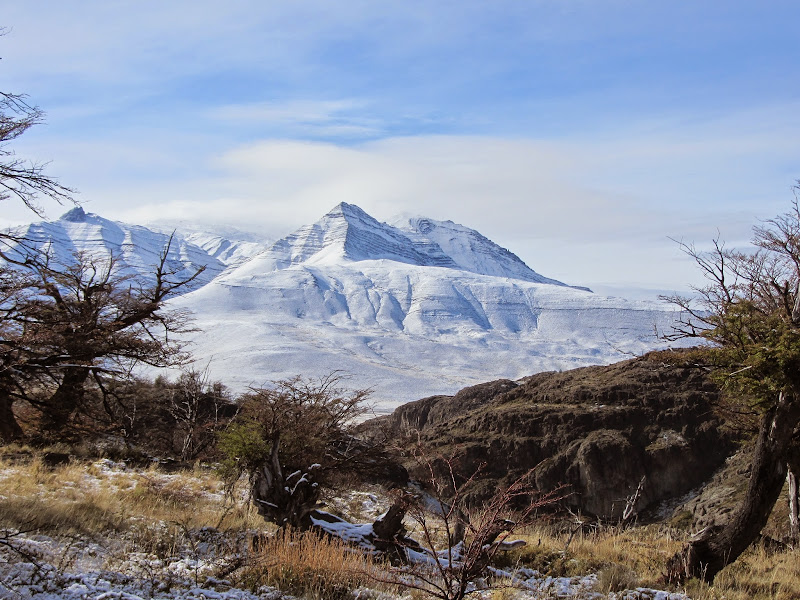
x,y
99,497
636,557
151,515
308,566
164,514
759,573
622,558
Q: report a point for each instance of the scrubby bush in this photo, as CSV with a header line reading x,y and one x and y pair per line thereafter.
x,y
293,440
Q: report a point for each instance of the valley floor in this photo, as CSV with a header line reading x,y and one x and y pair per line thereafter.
x,y
99,530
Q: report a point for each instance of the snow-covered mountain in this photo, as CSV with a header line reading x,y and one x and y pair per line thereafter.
x,y
411,310
227,251
135,249
349,234
469,250
227,244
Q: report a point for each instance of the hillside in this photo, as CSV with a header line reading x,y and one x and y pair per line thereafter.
x,y
424,308
600,430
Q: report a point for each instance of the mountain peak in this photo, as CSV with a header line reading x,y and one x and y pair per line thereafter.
x,y
468,249
75,215
340,220
348,233
343,208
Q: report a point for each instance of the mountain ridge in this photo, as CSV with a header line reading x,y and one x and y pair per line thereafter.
x,y
348,232
426,307
135,249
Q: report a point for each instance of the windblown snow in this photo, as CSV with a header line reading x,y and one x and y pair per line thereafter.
x,y
413,309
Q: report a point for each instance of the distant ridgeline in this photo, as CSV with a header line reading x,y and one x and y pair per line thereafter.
x,y
412,309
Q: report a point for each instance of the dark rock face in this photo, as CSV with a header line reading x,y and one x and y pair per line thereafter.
x,y
599,430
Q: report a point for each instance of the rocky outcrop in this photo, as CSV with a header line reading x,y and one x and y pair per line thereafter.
x,y
602,431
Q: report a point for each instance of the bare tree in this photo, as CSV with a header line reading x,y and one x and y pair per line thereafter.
x,y
14,355
70,322
199,409
750,314
19,178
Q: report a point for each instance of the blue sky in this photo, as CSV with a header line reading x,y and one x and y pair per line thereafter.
x,y
581,135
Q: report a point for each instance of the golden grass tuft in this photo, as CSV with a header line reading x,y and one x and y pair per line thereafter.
x,y
637,557
307,565
155,512
759,573
629,556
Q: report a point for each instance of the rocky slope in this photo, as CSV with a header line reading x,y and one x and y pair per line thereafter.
x,y
599,430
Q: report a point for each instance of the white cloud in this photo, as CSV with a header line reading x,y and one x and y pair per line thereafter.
x,y
582,210
304,111
154,108
587,208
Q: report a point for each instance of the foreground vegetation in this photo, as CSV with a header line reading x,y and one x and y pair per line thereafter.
x,y
169,529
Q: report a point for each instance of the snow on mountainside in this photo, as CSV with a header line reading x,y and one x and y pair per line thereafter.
x,y
228,252
417,308
423,309
347,232
228,245
469,250
136,249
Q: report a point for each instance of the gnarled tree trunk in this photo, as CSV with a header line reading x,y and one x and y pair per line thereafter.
x,y
9,428
287,501
794,518
793,464
64,402
707,555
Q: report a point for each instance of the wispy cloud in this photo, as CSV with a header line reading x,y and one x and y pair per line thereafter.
x,y
305,118
572,208
308,111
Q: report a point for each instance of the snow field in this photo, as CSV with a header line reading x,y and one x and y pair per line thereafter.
x,y
407,331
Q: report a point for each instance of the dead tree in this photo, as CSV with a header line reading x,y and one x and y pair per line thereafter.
x,y
794,518
26,181
294,440
19,178
198,408
458,543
